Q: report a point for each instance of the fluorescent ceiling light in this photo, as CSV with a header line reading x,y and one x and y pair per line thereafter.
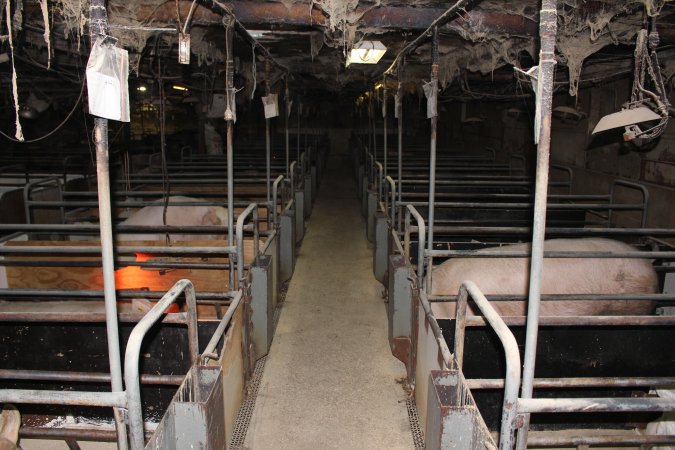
x,y
626,118
366,52
141,88
179,87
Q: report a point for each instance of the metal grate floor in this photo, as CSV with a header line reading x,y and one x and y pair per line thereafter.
x,y
417,434
246,410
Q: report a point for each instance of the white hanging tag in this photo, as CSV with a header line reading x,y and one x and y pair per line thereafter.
x,y
107,81
183,48
271,105
431,92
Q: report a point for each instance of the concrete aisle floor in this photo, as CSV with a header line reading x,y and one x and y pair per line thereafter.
x,y
330,381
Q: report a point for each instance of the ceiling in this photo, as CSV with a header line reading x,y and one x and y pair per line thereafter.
x,y
309,39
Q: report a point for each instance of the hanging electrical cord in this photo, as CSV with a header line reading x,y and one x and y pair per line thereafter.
x,y
58,127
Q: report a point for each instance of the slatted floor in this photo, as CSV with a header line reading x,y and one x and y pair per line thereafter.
x,y
330,380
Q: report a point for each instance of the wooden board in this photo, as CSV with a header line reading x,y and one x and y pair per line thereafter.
x,y
126,277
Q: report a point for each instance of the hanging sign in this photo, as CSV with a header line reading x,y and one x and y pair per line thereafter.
x,y
271,105
107,81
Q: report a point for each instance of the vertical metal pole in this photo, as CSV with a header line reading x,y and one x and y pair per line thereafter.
x,y
229,92
432,161
547,33
288,117
297,141
98,26
399,182
268,151
384,118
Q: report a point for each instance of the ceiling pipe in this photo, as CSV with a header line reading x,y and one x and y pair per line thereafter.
x,y
439,22
228,11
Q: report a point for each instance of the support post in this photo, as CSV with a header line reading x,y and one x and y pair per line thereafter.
x,y
268,150
547,30
399,106
432,161
98,17
384,120
229,118
288,118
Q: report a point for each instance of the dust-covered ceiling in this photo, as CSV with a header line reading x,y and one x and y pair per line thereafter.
x,y
311,37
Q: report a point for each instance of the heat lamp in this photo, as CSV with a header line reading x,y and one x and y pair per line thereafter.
x,y
366,52
645,116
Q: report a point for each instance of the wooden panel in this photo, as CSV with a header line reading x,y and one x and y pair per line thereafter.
x,y
126,277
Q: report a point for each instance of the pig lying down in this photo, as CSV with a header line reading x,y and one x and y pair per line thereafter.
x,y
176,216
510,276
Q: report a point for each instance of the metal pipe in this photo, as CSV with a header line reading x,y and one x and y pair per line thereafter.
x,y
433,28
131,358
421,233
209,351
51,250
548,254
288,116
230,93
548,17
275,188
578,382
574,405
583,321
603,441
384,120
98,434
268,150
84,317
392,191
98,26
252,209
432,150
399,109
122,293
512,383
379,179
297,134
71,398
84,377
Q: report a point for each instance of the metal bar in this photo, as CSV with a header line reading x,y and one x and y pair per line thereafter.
x,y
51,250
432,151
410,210
98,26
275,204
447,359
288,118
630,185
98,434
578,382
548,17
268,150
560,297
392,191
554,206
604,441
230,93
71,398
399,162
512,383
568,405
122,293
555,231
84,317
582,321
131,358
439,22
84,377
252,209
384,120
525,254
209,351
